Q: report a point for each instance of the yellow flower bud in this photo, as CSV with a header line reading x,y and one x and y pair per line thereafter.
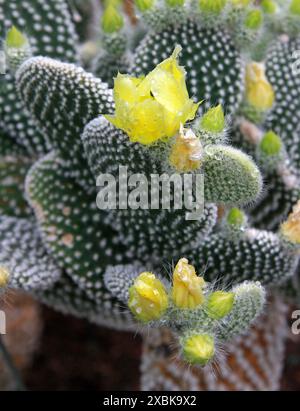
x,y
144,5
148,299
175,3
213,120
187,291
240,3
271,144
269,6
219,304
198,349
259,92
212,6
152,108
254,19
295,7
112,20
4,276
15,39
290,229
235,217
186,152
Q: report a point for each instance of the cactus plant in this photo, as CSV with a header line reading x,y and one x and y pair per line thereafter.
x,y
229,116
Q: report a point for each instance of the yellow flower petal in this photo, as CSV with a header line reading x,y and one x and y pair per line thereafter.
x,y
125,88
152,108
146,122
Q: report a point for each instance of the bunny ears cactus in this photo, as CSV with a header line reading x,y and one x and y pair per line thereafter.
x,y
152,108
192,309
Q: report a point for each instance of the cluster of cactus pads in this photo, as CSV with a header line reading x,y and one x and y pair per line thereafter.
x,y
185,87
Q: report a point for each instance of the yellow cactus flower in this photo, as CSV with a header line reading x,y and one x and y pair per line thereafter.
x,y
186,152
148,299
152,108
259,92
187,291
4,276
290,229
199,349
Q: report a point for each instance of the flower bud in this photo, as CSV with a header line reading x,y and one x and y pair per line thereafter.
x,y
235,217
254,19
175,3
148,299
186,152
4,277
187,291
15,39
269,6
17,48
213,120
270,144
144,5
220,304
112,20
240,3
290,229
295,7
259,92
198,349
212,6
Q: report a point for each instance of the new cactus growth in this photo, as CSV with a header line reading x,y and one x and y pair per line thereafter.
x,y
191,308
191,89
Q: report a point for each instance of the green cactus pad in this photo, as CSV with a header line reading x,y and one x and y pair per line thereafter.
x,y
283,73
214,67
8,146
275,203
258,256
107,148
249,301
230,176
106,67
24,256
50,31
157,233
12,176
62,98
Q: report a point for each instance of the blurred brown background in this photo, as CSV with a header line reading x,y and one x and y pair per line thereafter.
x,y
57,352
